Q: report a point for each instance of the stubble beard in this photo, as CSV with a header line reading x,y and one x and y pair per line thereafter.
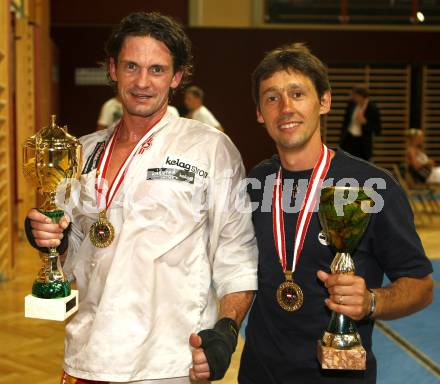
x,y
145,110
140,112
138,109
298,140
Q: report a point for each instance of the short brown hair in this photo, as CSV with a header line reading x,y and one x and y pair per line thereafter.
x,y
295,57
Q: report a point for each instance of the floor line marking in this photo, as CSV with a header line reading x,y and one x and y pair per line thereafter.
x,y
409,348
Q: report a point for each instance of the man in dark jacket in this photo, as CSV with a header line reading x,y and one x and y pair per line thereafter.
x,y
361,121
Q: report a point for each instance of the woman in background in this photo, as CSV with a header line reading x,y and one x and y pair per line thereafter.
x,y
420,166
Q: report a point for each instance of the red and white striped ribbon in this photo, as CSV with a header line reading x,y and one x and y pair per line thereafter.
x,y
105,161
318,175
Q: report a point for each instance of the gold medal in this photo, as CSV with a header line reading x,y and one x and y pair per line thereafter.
x,y
102,232
289,295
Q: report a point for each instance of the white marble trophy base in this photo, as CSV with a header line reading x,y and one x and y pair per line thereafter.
x,y
51,309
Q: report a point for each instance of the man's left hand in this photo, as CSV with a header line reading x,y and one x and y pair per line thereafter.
x,y
348,294
200,367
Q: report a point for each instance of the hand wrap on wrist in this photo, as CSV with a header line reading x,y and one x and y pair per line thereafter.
x,y
61,248
219,344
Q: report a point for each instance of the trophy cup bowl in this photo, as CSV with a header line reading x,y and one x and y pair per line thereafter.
x,y
343,214
51,157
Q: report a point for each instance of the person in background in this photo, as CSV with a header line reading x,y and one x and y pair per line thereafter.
x,y
193,100
361,121
111,112
162,298
173,110
292,91
421,167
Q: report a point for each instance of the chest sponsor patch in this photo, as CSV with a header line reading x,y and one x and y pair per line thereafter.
x,y
170,174
189,166
93,159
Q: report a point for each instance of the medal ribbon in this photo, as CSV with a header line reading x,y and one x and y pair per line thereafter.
x,y
105,161
318,175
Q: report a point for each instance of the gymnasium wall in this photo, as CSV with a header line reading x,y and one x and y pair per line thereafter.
x,y
224,59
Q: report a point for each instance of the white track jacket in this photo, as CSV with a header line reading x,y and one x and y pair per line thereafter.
x,y
180,245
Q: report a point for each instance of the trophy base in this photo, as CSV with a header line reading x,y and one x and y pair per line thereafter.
x,y
349,359
51,309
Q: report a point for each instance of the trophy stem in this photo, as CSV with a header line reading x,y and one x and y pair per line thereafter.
x,y
341,333
49,207
51,282
343,263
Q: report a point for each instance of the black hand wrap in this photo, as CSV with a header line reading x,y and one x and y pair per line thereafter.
x,y
61,248
219,344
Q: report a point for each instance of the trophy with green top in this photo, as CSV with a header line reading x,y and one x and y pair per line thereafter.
x,y
343,214
51,157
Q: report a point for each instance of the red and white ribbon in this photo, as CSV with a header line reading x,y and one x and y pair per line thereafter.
x,y
318,175
100,182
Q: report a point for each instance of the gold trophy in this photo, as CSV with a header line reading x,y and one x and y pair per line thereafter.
x,y
344,218
51,157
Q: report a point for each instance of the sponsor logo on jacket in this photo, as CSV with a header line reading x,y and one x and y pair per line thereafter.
x,y
177,162
170,174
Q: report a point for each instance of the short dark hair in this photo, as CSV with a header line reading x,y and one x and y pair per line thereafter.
x,y
294,57
160,27
360,90
196,91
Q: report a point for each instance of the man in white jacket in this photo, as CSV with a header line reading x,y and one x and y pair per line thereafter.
x,y
162,301
196,110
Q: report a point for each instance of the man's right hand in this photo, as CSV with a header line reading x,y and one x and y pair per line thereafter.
x,y
45,233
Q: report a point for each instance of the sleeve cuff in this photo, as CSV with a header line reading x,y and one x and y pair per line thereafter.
x,y
237,285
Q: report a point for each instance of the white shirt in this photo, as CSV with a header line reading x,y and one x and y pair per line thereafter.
x,y
173,110
111,112
355,128
204,115
170,262
422,157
